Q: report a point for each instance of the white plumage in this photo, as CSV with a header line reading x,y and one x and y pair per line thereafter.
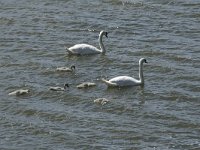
x,y
57,88
101,101
19,92
86,85
86,49
126,80
66,69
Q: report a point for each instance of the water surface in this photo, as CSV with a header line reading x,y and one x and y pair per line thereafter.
x,y
164,114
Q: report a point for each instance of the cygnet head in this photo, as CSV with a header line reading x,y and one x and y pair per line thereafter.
x,y
72,67
66,85
104,33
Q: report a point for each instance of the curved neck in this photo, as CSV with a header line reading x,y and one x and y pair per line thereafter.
x,y
102,48
141,77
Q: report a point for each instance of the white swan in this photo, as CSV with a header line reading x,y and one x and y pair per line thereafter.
x,y
85,49
66,69
126,80
57,88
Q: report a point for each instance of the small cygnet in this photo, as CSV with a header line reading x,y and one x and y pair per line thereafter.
x,y
86,85
57,88
66,69
19,92
101,101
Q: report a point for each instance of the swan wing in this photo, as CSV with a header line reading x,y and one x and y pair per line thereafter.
x,y
83,49
124,81
108,82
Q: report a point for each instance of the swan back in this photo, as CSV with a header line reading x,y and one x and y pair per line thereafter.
x,y
125,81
83,49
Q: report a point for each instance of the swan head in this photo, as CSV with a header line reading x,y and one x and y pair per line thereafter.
x,y
72,67
104,33
142,60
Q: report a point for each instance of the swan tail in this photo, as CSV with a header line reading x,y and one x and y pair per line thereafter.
x,y
108,82
68,50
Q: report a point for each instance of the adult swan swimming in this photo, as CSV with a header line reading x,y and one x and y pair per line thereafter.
x,y
85,49
121,81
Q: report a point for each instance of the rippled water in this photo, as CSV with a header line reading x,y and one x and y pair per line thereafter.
x,y
164,114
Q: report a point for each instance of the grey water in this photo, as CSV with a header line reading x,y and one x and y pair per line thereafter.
x,y
164,114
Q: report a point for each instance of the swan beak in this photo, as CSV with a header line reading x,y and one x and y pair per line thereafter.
x,y
106,34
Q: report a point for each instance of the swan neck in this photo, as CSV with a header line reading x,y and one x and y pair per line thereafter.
x,y
141,77
103,50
